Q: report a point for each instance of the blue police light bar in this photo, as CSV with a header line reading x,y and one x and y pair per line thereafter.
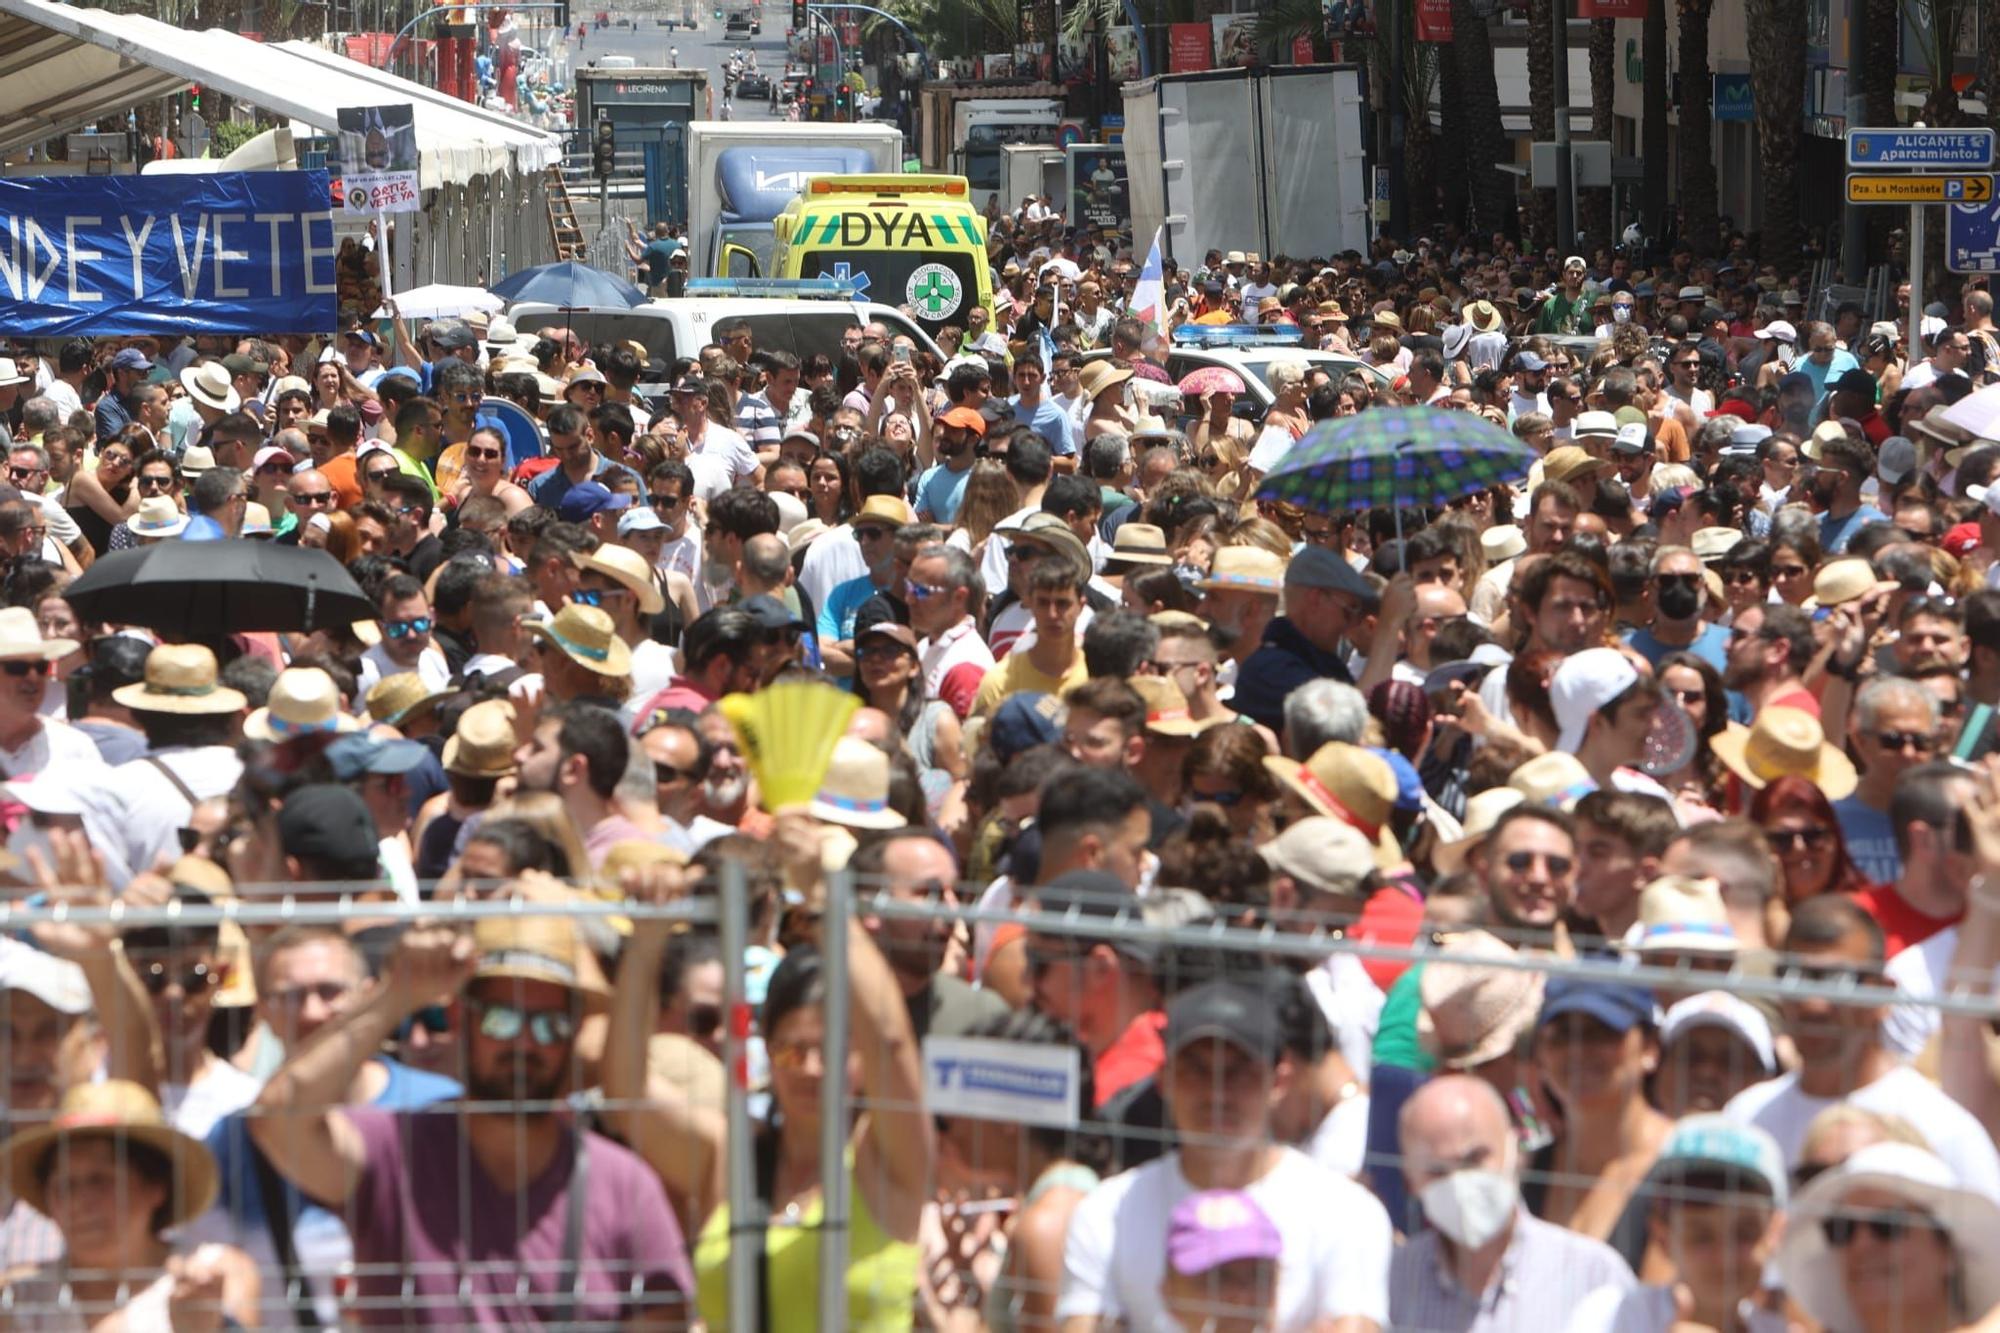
x,y
775,288
1238,335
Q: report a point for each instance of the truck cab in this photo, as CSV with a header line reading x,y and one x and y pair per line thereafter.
x,y
986,125
755,185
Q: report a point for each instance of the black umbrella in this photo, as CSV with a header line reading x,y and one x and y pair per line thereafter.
x,y
204,590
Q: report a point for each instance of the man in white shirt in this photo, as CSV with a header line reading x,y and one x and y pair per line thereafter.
x,y
710,439
1843,1057
192,723
1224,1038
1256,287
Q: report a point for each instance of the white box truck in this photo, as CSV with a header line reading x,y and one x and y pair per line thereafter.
x,y
1031,168
1268,159
741,174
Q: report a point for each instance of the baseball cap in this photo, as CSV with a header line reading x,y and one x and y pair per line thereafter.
x,y
1618,1006
1218,1227
1779,330
1896,459
358,754
1321,853
1022,722
1239,1014
1714,1143
1631,440
592,497
272,452
57,983
1856,382
1583,685
691,384
131,358
1530,361
801,434
1317,567
1720,1009
964,418
451,334
640,518
770,613
328,823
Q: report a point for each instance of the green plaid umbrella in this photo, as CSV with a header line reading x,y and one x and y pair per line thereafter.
x,y
1396,458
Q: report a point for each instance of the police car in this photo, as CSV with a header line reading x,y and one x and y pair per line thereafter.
x,y
1250,350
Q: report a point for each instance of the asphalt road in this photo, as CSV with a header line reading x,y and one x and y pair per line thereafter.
x,y
705,46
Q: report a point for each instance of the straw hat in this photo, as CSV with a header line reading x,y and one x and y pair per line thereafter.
x,y
157,516
1676,912
483,744
1785,742
21,637
256,521
115,1109
199,458
1482,812
1554,778
1501,542
1097,376
855,791
1841,581
587,636
1567,461
1810,1265
1167,707
180,678
1140,544
802,535
1347,783
1714,543
1474,1010
628,568
303,701
890,509
401,698
1483,316
536,948
1245,569
208,384
1050,531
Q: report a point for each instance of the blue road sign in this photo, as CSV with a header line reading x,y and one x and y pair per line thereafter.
x,y
1972,238
1919,149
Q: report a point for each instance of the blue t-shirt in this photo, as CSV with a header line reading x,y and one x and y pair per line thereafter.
x,y
1871,839
1711,646
836,618
239,1196
1834,534
940,492
1050,422
1821,376
549,489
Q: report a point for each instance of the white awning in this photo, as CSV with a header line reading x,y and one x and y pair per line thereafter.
x,y
61,67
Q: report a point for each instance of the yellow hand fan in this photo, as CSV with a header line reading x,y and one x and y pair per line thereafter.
x,y
787,732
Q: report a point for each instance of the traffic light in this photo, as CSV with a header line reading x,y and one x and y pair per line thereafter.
x,y
799,18
194,97
843,101
604,150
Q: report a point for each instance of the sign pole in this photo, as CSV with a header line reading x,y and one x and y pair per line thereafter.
x,y
1916,346
382,255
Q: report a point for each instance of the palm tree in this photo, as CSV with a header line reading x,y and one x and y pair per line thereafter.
x,y
1594,204
1542,57
1281,22
1699,202
1485,138
1777,48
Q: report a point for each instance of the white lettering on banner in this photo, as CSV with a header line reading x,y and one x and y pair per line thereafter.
x,y
190,273
138,245
77,295
223,253
1023,1082
31,256
17,267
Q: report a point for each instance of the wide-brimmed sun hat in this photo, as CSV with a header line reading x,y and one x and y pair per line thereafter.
x,y
1785,742
304,701
180,678
121,1111
587,636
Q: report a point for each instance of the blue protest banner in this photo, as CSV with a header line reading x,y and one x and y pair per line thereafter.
x,y
231,252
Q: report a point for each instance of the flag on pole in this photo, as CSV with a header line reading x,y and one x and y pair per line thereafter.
x,y
1149,294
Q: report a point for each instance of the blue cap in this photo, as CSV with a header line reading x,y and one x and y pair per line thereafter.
x,y
353,756
404,372
592,497
1022,722
1644,289
1798,379
1529,361
1409,787
1618,1006
131,358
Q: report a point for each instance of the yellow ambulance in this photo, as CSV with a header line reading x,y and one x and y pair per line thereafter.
x,y
902,240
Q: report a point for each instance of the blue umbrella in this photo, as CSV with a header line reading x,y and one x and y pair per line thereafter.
x,y
568,286
1396,458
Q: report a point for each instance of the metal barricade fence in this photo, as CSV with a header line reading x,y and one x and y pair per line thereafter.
x,y
1098,970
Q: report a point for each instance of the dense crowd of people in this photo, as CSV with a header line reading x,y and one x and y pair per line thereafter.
x,y
1336,858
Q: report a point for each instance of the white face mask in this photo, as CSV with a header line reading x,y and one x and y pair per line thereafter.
x,y
1621,314
1472,1206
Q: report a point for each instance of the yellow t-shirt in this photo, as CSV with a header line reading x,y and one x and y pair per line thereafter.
x,y
1017,675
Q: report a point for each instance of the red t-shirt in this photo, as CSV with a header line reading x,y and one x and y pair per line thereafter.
x,y
1902,925
1391,919
1138,1053
1802,699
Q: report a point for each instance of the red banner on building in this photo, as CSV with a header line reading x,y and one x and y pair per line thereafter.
x,y
1434,20
1190,46
1302,50
1611,9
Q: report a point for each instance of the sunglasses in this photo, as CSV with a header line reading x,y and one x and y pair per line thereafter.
x,y
871,533
156,483
402,629
921,592
1787,839
18,669
1886,1227
665,773
596,596
470,452
669,501
1522,862
382,474
194,981
1683,580
1904,740
506,1022
434,1019
312,499
326,992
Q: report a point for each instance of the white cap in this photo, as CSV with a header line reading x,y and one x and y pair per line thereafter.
x,y
1779,330
58,984
1583,685
640,518
1720,1009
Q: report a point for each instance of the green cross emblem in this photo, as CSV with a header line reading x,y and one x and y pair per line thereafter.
x,y
936,294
